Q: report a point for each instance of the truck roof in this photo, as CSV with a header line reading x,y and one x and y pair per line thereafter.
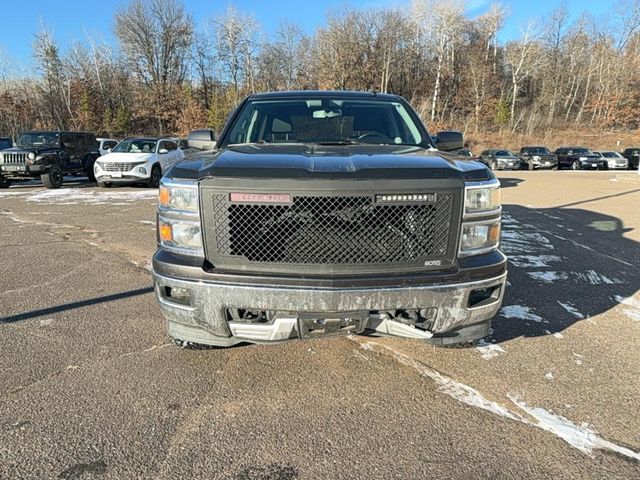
x,y
323,94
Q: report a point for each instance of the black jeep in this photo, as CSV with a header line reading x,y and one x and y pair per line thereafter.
x,y
50,156
633,155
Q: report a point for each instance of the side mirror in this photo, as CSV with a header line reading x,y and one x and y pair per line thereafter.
x,y
448,141
162,151
108,150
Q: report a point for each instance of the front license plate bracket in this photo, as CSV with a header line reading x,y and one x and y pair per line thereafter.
x,y
324,324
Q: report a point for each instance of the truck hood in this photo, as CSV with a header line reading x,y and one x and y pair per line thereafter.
x,y
32,149
322,161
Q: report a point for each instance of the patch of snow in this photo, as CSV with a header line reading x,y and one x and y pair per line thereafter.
x,y
558,335
45,322
632,314
549,276
578,436
147,222
533,261
581,437
70,196
489,350
571,309
595,278
520,312
578,358
632,302
548,375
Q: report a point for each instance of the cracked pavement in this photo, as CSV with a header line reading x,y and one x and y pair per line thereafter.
x,y
91,388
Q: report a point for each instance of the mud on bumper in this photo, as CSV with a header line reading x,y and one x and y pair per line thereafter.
x,y
197,311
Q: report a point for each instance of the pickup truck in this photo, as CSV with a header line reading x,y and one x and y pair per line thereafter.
x,y
328,213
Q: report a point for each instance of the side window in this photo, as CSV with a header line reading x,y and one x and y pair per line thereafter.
x,y
67,140
162,145
79,140
171,146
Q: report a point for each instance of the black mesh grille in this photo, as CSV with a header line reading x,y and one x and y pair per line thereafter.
x,y
328,230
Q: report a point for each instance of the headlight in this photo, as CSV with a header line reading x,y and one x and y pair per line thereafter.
x,y
180,235
536,157
31,156
179,227
179,196
482,199
479,237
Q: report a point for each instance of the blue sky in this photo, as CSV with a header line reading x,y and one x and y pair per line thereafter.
x,y
69,19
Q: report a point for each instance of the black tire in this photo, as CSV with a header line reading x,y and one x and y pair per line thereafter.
x,y
493,165
104,184
460,345
5,182
154,178
90,173
575,165
53,178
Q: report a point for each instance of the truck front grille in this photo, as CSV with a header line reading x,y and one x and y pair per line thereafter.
x,y
334,230
10,158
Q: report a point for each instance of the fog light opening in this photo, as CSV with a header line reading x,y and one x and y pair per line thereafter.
x,y
422,318
484,296
247,315
178,295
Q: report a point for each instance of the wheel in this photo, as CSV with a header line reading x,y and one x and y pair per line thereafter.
x,y
575,165
53,178
105,184
493,165
156,175
5,182
90,173
530,162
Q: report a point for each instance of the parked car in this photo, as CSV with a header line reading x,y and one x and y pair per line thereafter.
x,y
614,160
5,143
49,155
579,158
500,160
137,160
633,155
106,144
465,152
532,158
367,223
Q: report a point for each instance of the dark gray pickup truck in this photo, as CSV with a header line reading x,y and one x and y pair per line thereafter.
x,y
328,213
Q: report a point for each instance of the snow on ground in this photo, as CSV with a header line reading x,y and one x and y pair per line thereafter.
x,y
571,309
581,437
533,261
519,312
549,276
634,312
489,350
71,196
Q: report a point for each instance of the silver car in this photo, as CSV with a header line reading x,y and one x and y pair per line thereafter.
x,y
615,161
500,160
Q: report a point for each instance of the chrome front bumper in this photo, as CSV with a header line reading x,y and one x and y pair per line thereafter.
x,y
204,319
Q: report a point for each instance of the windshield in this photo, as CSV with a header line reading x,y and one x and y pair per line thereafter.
x,y
325,121
504,153
538,150
135,145
582,151
39,139
611,154
4,144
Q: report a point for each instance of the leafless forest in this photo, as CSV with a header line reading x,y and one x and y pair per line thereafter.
x,y
165,76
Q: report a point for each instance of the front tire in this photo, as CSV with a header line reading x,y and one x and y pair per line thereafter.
x,y
493,165
156,175
575,165
5,182
53,178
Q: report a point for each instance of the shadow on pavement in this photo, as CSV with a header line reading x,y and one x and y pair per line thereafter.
x,y
74,305
565,265
510,182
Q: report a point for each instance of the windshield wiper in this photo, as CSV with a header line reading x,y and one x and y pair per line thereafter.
x,y
340,142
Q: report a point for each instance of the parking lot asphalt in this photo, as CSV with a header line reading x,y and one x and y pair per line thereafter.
x,y
90,386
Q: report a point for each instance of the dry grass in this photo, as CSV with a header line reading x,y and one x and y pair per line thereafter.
x,y
594,139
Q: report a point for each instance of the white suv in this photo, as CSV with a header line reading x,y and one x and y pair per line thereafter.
x,y
137,160
106,144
